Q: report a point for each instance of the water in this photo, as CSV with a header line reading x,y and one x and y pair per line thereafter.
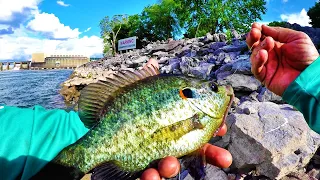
x,y
28,88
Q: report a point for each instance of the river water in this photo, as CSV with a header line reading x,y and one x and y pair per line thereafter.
x,y
27,88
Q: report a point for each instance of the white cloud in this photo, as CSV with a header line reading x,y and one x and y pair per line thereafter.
x,y
88,29
50,25
284,1
10,7
61,3
300,18
25,30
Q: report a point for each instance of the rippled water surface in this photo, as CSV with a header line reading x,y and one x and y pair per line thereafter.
x,y
28,88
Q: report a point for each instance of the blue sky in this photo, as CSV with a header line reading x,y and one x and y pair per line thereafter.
x,y
71,26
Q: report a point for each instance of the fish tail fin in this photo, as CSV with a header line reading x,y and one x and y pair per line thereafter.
x,y
110,171
53,171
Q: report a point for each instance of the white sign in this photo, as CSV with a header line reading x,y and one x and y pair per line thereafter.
x,y
128,43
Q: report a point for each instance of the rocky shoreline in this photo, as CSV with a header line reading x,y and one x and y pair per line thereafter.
x,y
268,138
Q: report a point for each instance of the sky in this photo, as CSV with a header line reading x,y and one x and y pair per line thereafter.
x,y
72,26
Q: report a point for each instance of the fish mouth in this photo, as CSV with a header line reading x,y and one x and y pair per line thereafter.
x,y
230,93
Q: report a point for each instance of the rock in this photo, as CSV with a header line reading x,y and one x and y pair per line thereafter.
x,y
275,141
173,64
217,45
208,38
161,54
222,37
167,47
241,65
203,71
215,173
142,59
234,48
163,60
241,82
249,110
266,95
216,38
235,34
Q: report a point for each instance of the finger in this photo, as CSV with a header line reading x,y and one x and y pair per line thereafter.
x,y
217,156
222,131
267,44
258,65
150,174
169,167
254,35
280,34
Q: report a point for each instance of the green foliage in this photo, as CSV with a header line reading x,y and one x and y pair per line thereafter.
x,y
109,30
278,24
159,22
195,18
229,35
202,16
314,14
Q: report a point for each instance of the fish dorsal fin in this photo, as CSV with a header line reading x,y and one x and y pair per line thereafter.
x,y
95,97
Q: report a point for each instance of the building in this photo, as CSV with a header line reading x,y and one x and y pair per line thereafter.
x,y
51,61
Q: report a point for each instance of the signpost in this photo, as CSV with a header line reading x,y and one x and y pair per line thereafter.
x,y
128,43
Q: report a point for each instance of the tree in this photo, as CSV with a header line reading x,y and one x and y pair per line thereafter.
x,y
279,24
159,22
109,30
202,16
314,14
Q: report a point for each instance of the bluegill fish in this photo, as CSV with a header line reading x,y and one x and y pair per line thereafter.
x,y
137,118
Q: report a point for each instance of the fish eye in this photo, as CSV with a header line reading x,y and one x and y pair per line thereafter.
x,y
186,93
214,87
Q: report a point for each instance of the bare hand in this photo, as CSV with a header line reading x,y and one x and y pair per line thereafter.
x,y
279,55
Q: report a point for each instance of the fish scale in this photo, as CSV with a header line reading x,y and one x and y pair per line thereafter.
x,y
144,121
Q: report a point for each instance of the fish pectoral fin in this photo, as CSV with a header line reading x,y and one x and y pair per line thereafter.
x,y
110,171
178,129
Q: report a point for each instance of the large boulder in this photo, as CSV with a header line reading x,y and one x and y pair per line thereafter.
x,y
275,140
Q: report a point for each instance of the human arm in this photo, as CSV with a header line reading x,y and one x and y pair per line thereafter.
x,y
31,137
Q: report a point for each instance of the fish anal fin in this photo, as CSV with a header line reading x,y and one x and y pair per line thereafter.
x,y
95,97
110,171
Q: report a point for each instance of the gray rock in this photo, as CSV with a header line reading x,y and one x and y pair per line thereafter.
x,y
208,38
217,45
161,54
163,60
235,34
266,95
275,141
222,37
216,38
241,82
215,173
241,65
203,71
234,48
167,47
142,59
